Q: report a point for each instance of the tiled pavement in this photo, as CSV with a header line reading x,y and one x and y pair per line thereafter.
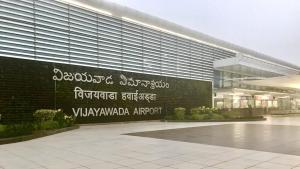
x,y
283,139
105,147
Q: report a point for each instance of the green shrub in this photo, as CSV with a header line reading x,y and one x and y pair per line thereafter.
x,y
208,110
49,125
195,111
205,113
195,116
180,113
2,128
188,117
44,115
216,110
202,110
231,115
216,116
205,110
63,119
199,117
44,119
12,130
60,118
69,120
206,116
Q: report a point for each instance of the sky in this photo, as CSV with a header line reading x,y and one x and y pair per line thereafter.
x,y
271,27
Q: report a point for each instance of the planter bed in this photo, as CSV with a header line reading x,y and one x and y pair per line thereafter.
x,y
36,134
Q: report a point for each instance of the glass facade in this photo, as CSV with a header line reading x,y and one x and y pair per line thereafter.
x,y
232,93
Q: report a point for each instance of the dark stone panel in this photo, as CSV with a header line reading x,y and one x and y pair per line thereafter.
x,y
27,85
24,87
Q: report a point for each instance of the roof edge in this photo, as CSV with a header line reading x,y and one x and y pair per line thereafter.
x,y
120,11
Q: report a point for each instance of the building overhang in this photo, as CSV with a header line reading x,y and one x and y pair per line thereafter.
x,y
238,92
289,82
251,66
248,92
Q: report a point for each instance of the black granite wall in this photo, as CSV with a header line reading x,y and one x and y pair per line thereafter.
x,y
93,94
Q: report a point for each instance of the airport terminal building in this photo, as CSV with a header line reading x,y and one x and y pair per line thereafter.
x,y
104,62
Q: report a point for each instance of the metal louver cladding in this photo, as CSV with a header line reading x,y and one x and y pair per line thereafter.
x,y
83,37
53,31
110,42
17,29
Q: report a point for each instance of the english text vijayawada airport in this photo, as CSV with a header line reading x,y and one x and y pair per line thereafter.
x,y
103,62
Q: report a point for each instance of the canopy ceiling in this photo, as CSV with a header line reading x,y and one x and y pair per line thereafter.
x,y
291,81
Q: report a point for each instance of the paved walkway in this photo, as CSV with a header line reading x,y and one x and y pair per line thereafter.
x,y
283,139
107,147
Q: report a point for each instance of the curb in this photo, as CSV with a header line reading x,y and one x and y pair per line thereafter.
x,y
229,120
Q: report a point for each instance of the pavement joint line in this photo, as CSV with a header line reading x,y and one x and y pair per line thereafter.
x,y
186,150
